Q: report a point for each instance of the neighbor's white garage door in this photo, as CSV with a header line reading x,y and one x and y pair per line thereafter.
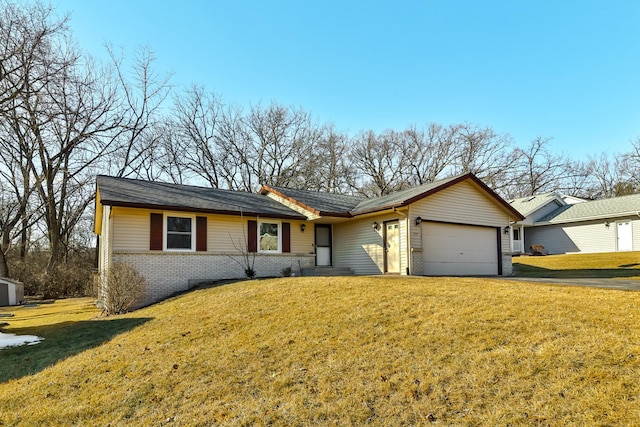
x,y
459,250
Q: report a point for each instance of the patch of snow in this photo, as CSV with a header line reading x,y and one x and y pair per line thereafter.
x,y
12,340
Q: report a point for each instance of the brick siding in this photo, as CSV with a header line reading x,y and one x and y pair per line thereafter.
x,y
168,272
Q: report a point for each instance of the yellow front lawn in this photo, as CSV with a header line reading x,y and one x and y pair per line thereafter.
x,y
345,351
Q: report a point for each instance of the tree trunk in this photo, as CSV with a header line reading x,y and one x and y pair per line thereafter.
x,y
24,237
4,268
56,254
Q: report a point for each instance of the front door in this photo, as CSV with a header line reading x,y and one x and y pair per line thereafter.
x,y
392,247
323,244
625,237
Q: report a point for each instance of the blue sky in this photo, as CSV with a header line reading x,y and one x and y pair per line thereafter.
x,y
567,70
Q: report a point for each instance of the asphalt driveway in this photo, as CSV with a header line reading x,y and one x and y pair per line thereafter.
x,y
621,284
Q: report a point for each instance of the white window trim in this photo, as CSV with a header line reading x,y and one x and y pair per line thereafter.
x,y
279,250
164,231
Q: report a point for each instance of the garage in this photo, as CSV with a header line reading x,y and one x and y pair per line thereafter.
x,y
459,250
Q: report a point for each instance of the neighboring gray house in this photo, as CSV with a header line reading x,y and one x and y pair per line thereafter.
x,y
177,235
570,225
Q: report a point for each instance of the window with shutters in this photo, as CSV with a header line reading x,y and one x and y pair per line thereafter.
x,y
179,231
269,236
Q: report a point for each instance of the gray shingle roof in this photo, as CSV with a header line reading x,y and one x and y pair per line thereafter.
x,y
401,198
160,195
340,205
614,207
324,203
406,197
528,205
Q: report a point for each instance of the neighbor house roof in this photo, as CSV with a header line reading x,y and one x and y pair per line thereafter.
x,y
595,209
160,195
349,206
530,204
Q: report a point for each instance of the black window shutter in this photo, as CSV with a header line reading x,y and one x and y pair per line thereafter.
x,y
286,237
155,236
252,236
201,233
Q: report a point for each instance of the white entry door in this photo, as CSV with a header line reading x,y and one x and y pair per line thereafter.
x,y
392,246
323,245
625,236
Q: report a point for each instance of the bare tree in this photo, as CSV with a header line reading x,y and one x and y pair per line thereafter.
x,y
537,169
197,118
27,35
327,168
25,38
484,153
381,161
429,152
278,140
17,187
610,176
137,145
630,164
578,180
61,123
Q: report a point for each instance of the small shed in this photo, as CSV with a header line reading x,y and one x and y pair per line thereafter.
x,y
11,292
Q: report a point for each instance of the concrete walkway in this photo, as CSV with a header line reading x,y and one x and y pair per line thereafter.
x,y
621,284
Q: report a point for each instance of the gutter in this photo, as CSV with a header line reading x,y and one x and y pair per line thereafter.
x,y
202,210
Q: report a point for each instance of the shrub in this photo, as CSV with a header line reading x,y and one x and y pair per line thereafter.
x,y
286,272
124,286
250,273
71,279
537,250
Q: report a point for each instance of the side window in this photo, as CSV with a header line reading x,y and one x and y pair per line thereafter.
x,y
269,237
180,233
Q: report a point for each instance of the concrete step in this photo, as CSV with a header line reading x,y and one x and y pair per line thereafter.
x,y
327,271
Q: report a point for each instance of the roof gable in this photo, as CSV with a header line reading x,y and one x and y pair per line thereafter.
x,y
319,203
530,204
159,195
412,195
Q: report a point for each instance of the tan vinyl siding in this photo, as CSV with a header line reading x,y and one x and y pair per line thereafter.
x,y
226,234
404,246
131,232
585,237
302,242
358,246
130,228
462,203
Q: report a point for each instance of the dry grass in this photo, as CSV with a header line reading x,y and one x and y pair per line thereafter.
x,y
613,264
352,351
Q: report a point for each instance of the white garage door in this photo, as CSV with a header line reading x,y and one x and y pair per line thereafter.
x,y
459,250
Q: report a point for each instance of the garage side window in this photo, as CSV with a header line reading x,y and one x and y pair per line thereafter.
x,y
179,233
